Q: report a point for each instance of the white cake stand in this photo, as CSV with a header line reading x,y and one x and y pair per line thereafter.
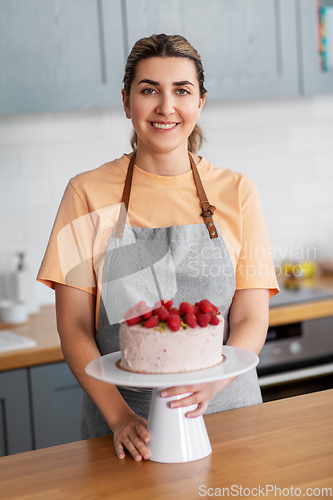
x,y
174,437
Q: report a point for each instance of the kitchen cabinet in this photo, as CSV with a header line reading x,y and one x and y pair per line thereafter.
x,y
15,421
60,55
64,55
39,407
314,80
56,401
248,47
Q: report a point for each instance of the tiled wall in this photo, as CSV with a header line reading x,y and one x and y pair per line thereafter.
x,y
285,146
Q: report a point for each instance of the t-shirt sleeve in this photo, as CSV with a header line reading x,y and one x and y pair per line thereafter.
x,y
68,257
255,266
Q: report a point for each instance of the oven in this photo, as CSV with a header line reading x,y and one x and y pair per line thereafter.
x,y
297,358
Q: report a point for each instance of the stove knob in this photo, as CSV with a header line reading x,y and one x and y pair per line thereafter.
x,y
295,347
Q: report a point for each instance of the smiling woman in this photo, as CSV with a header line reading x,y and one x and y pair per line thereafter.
x,y
164,98
141,227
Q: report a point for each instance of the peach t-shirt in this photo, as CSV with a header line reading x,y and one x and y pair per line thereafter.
x,y
90,207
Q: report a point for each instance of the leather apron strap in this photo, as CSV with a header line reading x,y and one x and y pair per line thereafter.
x,y
207,209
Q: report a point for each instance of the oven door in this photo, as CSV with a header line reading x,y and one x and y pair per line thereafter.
x,y
297,359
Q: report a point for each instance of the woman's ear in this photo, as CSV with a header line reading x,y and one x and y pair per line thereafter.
x,y
126,104
201,104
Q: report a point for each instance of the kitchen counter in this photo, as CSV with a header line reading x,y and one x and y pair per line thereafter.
x,y
42,328
281,444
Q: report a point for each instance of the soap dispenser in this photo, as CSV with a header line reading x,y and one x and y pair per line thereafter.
x,y
21,279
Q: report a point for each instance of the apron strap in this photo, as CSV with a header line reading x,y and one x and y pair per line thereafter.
x,y
207,209
125,199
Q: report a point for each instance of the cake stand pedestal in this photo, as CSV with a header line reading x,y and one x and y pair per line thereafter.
x,y
174,437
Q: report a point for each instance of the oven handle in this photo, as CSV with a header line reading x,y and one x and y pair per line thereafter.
x,y
301,374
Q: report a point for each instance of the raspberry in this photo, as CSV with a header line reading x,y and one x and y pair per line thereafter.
x,y
205,306
214,320
151,322
139,305
162,313
129,313
174,322
167,304
185,308
134,321
216,309
145,311
196,310
191,320
203,319
174,311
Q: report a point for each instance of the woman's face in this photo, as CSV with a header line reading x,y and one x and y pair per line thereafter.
x,y
164,103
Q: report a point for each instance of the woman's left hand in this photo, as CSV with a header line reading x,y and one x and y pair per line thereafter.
x,y
201,394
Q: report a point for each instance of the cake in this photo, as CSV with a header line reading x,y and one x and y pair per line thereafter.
x,y
171,340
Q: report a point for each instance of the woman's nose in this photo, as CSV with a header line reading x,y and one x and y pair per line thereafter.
x,y
166,105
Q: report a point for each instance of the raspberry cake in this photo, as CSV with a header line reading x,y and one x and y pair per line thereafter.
x,y
171,340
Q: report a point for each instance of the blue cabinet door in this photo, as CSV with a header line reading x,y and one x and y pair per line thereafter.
x,y
60,55
56,401
248,47
15,422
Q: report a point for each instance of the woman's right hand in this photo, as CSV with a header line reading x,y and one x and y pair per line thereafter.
x,y
132,433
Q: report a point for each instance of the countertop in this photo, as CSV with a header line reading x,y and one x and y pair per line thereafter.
x,y
284,444
42,328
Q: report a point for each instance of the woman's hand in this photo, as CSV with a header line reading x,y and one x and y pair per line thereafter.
x,y
201,394
131,433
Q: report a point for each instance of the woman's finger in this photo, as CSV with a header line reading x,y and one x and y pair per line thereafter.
x,y
142,431
187,401
119,449
132,449
200,410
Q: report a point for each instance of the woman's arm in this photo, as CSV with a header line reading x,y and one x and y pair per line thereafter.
x,y
76,326
249,314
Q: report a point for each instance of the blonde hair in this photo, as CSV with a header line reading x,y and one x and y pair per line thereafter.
x,y
165,46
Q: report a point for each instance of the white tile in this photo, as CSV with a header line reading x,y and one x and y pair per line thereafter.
x,y
322,107
257,113
11,194
36,192
311,136
11,227
20,129
313,193
48,159
38,224
323,163
8,162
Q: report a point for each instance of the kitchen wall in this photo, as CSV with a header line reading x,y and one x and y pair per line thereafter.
x,y
285,146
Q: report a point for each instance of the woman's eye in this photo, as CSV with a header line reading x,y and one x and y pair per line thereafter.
x,y
182,91
148,91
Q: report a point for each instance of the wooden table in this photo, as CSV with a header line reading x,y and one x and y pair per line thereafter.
x,y
281,444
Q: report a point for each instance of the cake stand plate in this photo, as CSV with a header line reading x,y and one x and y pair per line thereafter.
x,y
174,437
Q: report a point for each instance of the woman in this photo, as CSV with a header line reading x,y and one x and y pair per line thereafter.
x,y
218,252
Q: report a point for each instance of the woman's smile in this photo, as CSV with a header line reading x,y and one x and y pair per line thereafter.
x,y
164,125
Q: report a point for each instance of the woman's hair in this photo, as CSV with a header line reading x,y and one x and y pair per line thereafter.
x,y
165,46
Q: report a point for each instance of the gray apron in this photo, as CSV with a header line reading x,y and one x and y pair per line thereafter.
x,y
181,263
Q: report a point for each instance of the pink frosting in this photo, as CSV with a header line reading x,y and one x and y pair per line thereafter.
x,y
160,350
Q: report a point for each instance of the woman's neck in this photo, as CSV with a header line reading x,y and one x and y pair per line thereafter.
x,y
166,164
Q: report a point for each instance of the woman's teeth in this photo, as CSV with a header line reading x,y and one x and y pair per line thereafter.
x,y
164,125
